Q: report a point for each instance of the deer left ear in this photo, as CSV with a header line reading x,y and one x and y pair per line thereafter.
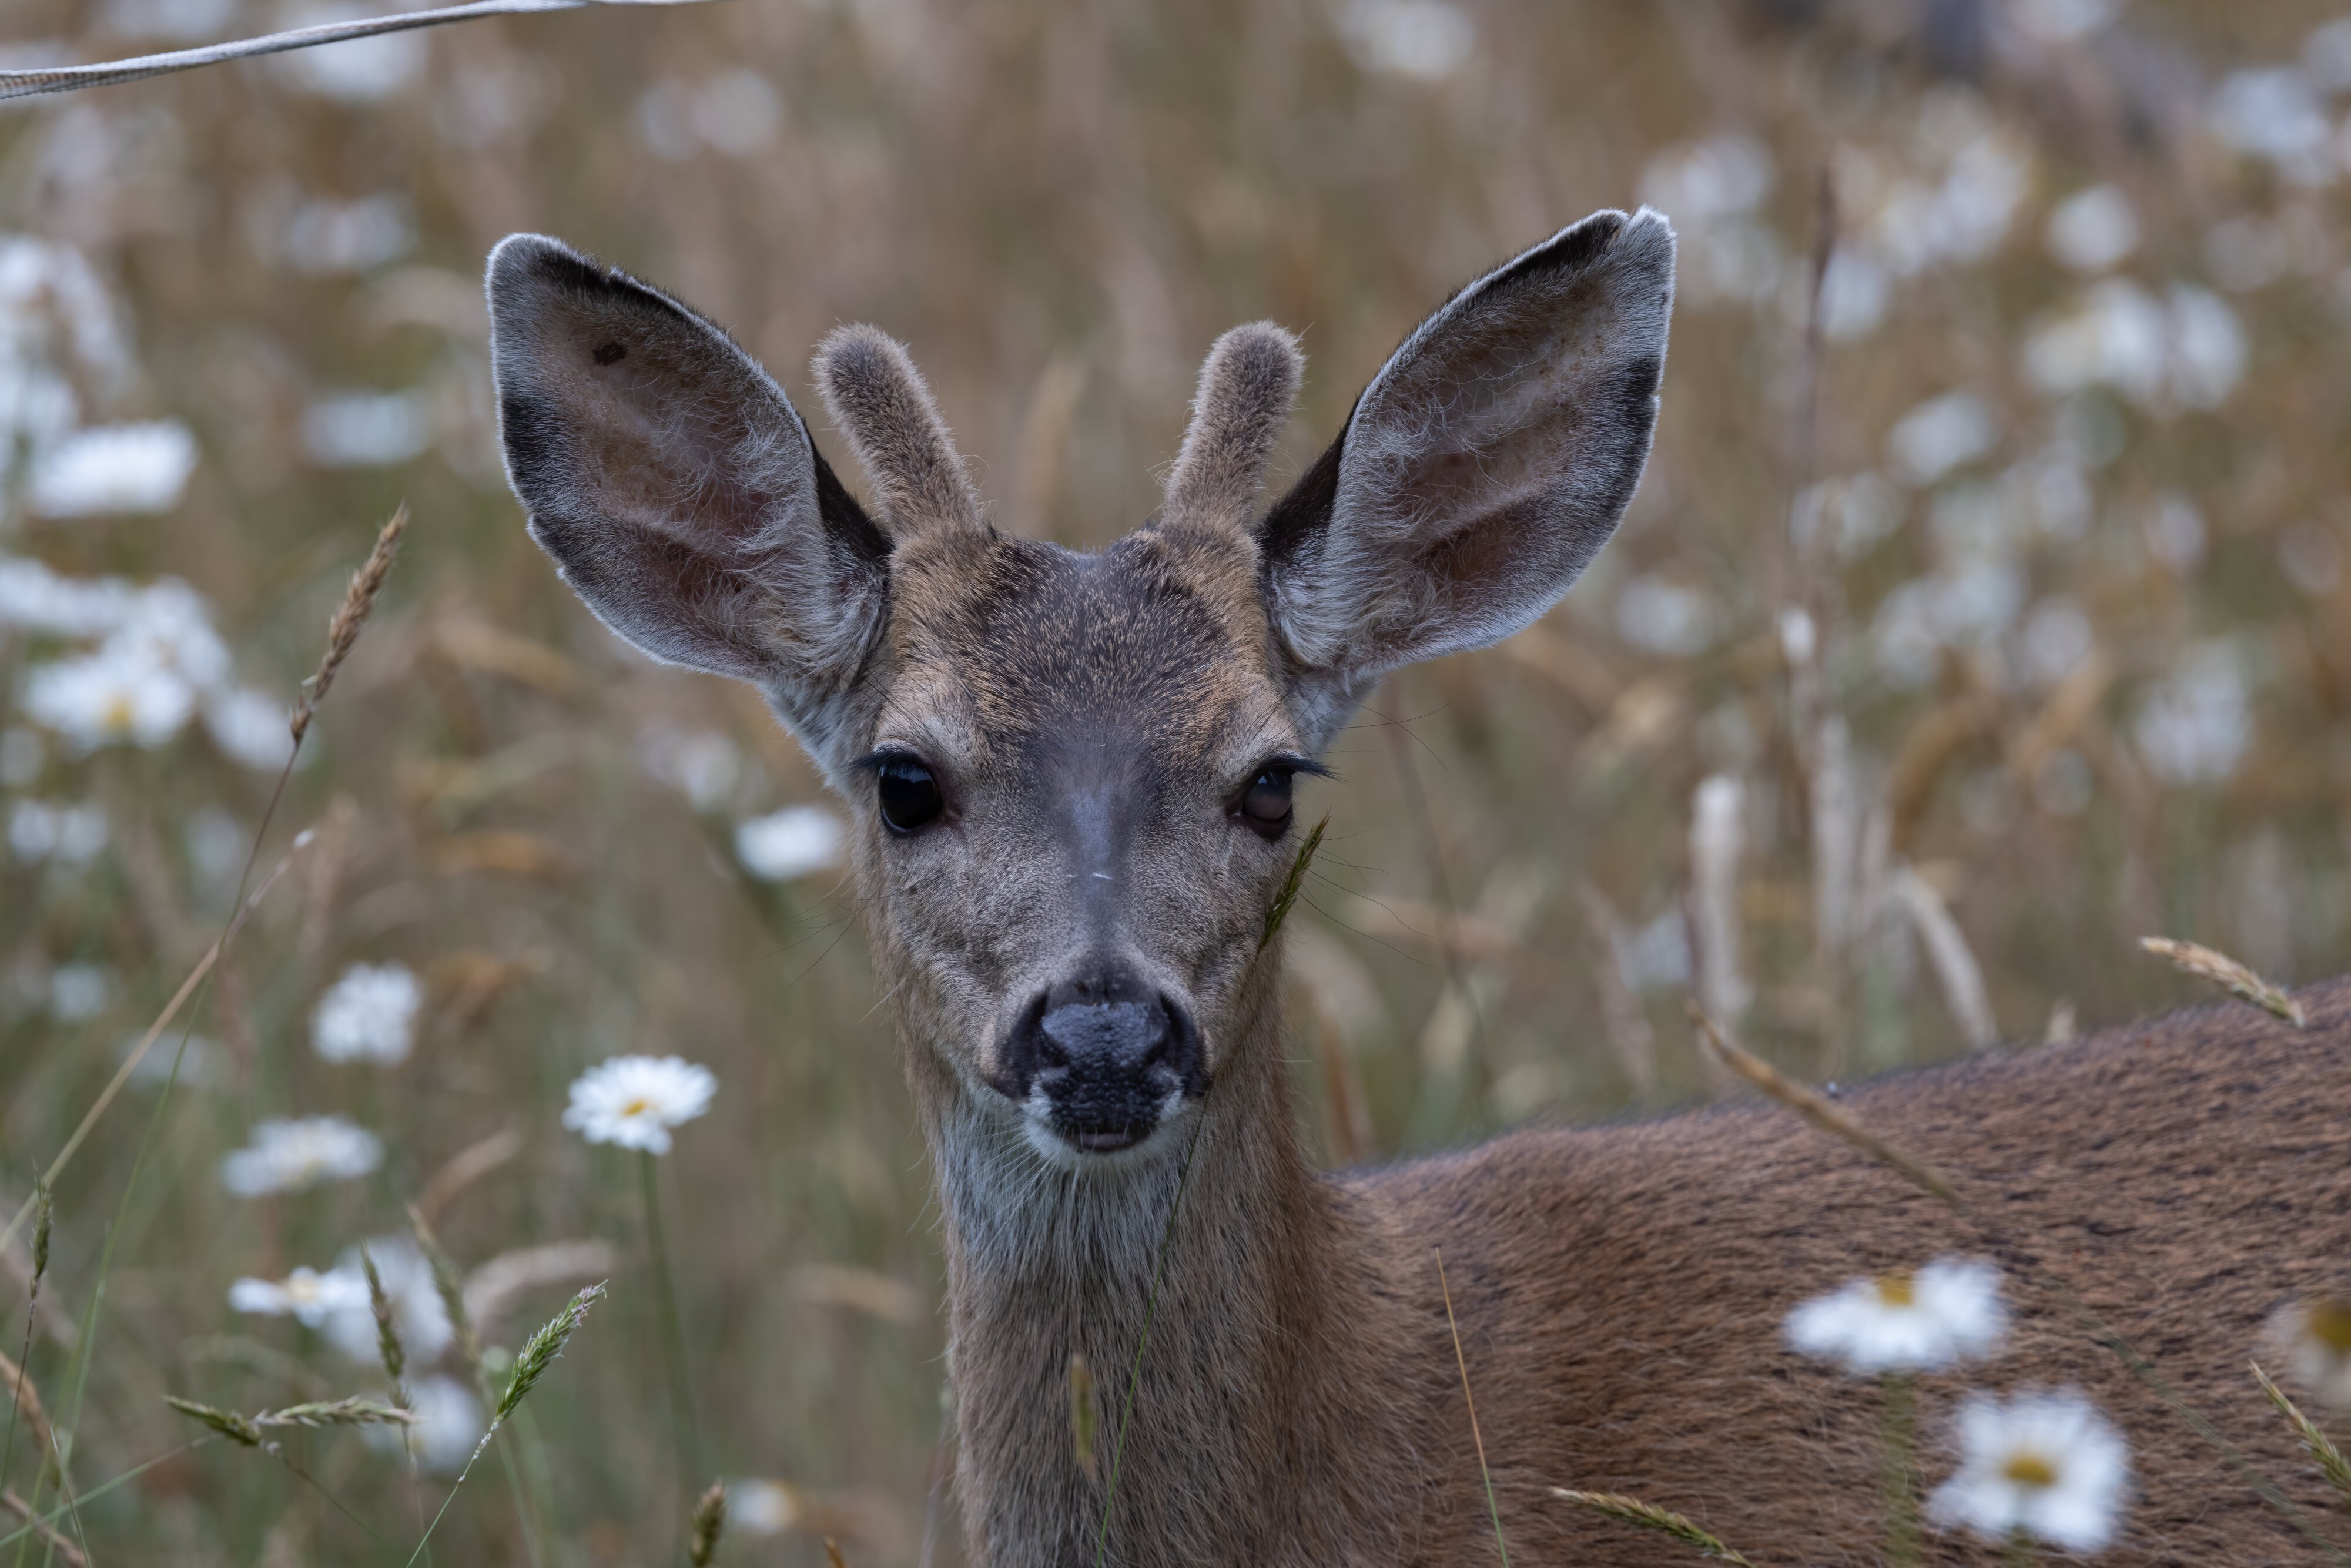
x,y
1483,467
678,490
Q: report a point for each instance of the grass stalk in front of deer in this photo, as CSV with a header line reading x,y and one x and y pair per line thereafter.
x,y
1493,1509
2239,980
1291,885
538,1352
1084,1424
2329,1459
452,1294
1649,1516
709,1523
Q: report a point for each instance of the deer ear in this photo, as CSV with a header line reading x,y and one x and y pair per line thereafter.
x,y
676,486
1483,467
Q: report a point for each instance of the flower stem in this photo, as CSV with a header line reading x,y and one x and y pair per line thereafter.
x,y
680,1390
2020,1553
1898,1410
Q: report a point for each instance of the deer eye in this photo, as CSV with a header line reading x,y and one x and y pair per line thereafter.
x,y
908,793
1265,804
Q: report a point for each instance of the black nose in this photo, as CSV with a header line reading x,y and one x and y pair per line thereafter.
x,y
1106,1050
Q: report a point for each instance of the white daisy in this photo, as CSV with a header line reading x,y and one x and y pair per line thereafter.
x,y
2044,1465
38,599
370,1014
169,625
249,726
306,1295
701,764
415,1301
445,1437
112,468
634,1101
756,1506
78,992
2313,1339
788,843
70,834
116,694
1944,1313
289,1156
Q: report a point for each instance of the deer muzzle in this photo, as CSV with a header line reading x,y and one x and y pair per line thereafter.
x,y
1101,1058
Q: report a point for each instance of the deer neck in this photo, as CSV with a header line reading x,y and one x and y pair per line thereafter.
x,y
1263,1264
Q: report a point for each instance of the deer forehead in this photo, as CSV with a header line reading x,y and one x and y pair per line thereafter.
x,y
1008,651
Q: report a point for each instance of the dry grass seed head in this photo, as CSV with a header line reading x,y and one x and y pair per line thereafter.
x,y
709,1520
2206,964
387,1331
350,615
42,1216
1291,885
539,1350
1809,1104
236,1428
2330,1459
355,1411
1649,1516
452,1293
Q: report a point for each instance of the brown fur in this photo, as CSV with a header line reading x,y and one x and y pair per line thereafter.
x,y
1247,386
883,406
1091,721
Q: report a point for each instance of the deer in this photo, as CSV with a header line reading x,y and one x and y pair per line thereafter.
x,y
1074,782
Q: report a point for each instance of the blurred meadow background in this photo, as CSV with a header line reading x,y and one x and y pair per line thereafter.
x,y
1982,612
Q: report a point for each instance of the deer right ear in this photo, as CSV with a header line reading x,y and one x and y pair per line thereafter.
x,y
1481,470
676,486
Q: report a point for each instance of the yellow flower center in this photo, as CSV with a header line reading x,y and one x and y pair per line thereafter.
x,y
2027,1469
2330,1323
119,713
1899,1289
637,1107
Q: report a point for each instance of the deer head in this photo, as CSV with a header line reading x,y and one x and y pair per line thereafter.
x,y
1071,775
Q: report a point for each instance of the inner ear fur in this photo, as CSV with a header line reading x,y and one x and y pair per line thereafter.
x,y
676,486
1484,465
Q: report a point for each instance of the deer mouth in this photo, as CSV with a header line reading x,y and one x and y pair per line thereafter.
x,y
1108,1141
1099,1137
1092,1118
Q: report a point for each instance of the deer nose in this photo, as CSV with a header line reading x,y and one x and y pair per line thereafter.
x,y
1106,1052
